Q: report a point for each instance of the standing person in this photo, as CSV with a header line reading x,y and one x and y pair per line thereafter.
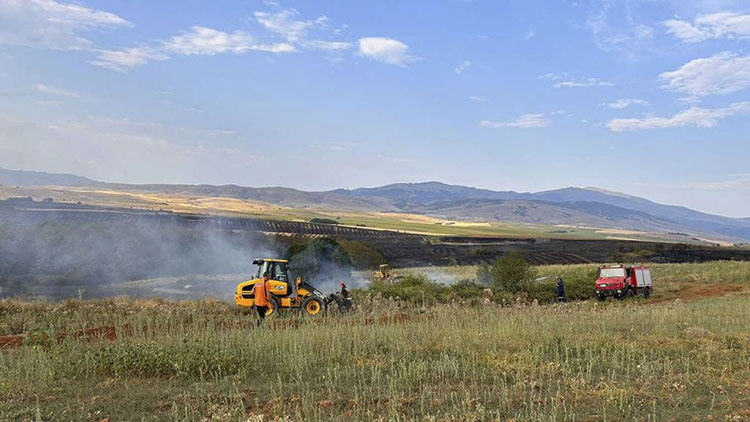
x,y
261,297
560,289
343,292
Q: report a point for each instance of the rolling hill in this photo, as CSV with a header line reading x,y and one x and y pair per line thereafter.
x,y
590,207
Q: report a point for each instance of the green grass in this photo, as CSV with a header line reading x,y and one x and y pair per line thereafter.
x,y
670,280
202,361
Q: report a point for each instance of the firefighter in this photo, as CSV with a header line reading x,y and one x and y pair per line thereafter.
x,y
343,292
261,297
560,289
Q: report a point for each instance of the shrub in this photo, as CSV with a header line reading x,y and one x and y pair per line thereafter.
x,y
362,255
412,288
319,260
511,272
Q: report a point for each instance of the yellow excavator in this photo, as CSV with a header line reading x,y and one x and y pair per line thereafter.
x,y
283,292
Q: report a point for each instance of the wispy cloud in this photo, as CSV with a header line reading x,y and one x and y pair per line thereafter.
x,y
711,26
200,40
288,24
56,91
386,50
128,58
563,80
722,73
616,29
526,121
583,84
529,35
327,45
478,99
694,116
626,102
206,41
463,67
52,24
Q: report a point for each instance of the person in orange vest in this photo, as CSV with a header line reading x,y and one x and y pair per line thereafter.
x,y
260,293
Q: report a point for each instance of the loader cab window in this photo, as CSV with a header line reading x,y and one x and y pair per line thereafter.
x,y
276,269
279,272
262,268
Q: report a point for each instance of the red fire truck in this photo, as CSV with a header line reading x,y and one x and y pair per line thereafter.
x,y
622,281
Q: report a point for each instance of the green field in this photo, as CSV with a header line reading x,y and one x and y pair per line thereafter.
x,y
655,360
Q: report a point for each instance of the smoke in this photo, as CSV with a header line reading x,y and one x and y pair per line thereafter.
x,y
439,275
322,263
58,260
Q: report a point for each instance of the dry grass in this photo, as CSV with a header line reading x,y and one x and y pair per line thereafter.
x,y
203,361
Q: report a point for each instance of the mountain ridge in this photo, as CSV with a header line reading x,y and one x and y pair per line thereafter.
x,y
588,206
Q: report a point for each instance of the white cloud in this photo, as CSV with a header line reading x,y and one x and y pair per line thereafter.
x,y
385,50
56,91
554,76
723,73
711,26
200,40
463,67
563,80
616,28
285,24
583,83
327,45
529,35
51,24
478,99
694,116
128,58
526,121
626,102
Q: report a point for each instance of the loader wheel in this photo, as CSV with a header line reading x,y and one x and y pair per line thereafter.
x,y
273,306
313,306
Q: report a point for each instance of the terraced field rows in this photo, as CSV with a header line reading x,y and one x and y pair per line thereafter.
x,y
400,249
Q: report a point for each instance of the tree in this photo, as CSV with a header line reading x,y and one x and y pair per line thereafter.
x,y
319,260
511,272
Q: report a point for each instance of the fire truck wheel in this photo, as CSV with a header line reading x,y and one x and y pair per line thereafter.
x,y
630,292
646,292
601,298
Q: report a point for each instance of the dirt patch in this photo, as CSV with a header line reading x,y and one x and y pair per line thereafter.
x,y
693,292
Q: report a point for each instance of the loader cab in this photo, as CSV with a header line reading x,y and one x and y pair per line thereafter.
x,y
279,284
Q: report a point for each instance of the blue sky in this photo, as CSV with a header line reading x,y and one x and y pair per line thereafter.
x,y
648,97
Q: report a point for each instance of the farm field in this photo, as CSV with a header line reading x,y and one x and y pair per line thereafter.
x,y
654,360
405,223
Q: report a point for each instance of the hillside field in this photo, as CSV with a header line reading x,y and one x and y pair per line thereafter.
x,y
402,222
660,359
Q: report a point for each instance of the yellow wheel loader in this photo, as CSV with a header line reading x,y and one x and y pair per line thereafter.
x,y
282,292
385,274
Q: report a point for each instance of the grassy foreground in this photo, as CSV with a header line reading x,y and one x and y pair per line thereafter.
x,y
653,360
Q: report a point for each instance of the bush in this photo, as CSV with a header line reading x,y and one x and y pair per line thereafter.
x,y
319,260
362,255
509,273
412,288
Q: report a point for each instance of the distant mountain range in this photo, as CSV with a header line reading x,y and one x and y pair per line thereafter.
x,y
574,206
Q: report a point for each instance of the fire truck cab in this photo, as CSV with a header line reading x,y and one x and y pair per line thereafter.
x,y
622,281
